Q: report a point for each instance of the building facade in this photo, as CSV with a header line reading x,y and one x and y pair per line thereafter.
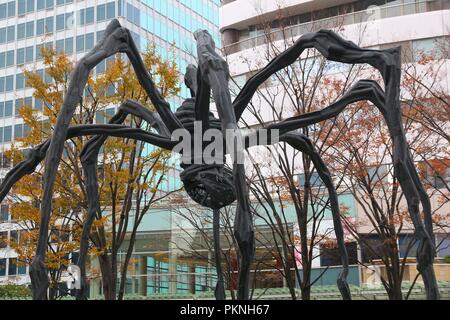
x,y
251,29
74,26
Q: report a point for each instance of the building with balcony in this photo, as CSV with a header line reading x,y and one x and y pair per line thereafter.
x,y
253,30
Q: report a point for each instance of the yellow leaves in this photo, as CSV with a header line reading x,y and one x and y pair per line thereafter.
x,y
25,211
117,170
100,223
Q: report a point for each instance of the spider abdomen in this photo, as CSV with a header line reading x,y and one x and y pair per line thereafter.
x,y
210,185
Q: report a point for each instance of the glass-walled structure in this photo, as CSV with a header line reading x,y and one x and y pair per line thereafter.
x,y
74,26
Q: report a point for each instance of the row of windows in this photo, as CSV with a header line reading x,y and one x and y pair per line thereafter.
x,y
7,83
169,9
172,34
8,133
6,136
83,43
26,6
58,23
14,268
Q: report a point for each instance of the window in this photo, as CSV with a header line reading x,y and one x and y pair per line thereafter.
x,y
10,33
10,58
408,245
12,269
20,58
443,245
101,12
3,239
201,279
89,41
82,17
60,22
314,180
18,132
30,29
49,3
29,51
21,6
69,20
80,43
8,109
40,27
9,83
14,236
49,25
3,11
371,247
20,31
7,133
30,5
2,267
330,256
20,81
40,4
2,59
68,46
111,10
11,9
89,18
182,278
59,46
2,35
38,104
4,212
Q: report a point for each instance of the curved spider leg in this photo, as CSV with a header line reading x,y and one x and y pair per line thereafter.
x,y
370,90
215,72
303,143
89,157
362,90
37,154
116,39
388,63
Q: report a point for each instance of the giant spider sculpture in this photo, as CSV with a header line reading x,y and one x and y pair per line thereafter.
x,y
214,185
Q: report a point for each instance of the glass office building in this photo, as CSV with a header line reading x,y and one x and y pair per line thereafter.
x,y
74,26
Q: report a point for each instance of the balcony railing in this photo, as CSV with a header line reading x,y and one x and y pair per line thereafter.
x,y
372,14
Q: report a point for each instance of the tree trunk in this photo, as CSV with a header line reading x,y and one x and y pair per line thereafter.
x,y
108,279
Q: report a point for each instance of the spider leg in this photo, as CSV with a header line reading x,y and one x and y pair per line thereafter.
x,y
303,143
362,90
38,154
219,292
89,158
190,79
388,63
215,72
329,44
116,39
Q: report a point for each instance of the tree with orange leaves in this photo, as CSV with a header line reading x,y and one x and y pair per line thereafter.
x,y
131,171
